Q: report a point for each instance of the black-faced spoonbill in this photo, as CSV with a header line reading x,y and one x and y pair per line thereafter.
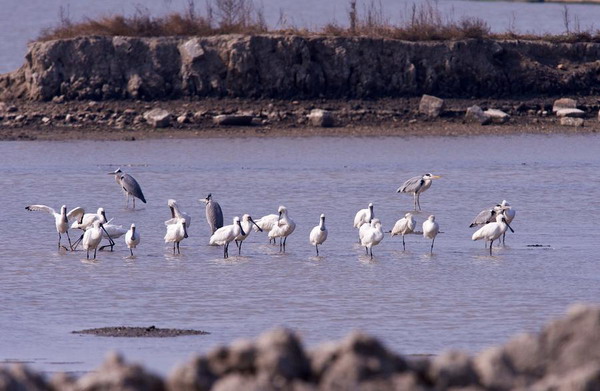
x,y
247,224
87,221
227,234
318,234
372,236
430,230
176,233
404,226
492,231
284,228
92,238
363,216
132,238
61,220
176,213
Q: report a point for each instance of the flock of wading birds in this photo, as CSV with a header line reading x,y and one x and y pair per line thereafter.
x,y
95,226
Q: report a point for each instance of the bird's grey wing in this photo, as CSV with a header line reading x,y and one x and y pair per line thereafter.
x,y
214,215
41,208
76,212
484,217
411,185
131,186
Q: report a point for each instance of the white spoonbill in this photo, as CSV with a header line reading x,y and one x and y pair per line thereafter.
x,y
266,224
417,185
129,185
247,223
492,231
364,216
176,233
372,236
405,225
92,237
430,230
509,213
61,220
86,221
132,238
176,213
284,228
318,234
227,234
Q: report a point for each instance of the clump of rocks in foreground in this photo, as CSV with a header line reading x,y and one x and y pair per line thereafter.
x,y
565,356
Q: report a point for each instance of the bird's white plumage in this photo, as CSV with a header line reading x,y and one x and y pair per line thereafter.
x,y
364,216
88,220
177,213
491,231
247,224
132,237
92,237
285,225
430,228
176,233
405,225
226,234
61,219
266,223
372,236
318,234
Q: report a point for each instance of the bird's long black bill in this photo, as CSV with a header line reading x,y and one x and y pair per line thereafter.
x,y
259,229
509,227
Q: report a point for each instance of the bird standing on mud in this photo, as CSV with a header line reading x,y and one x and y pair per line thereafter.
x,y
214,214
129,185
417,185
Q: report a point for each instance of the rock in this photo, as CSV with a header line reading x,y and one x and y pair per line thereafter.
x,y
239,357
58,99
115,374
19,377
233,120
280,354
475,114
569,121
3,108
599,116
158,118
321,118
452,369
12,109
46,120
575,113
564,103
182,119
431,106
193,376
497,116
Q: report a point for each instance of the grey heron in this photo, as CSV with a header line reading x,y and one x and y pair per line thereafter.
x,y
129,185
430,230
486,216
225,235
61,220
318,234
417,185
404,226
214,214
492,231
285,227
132,238
247,223
372,236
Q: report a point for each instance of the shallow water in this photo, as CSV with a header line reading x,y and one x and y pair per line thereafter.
x,y
417,303
22,21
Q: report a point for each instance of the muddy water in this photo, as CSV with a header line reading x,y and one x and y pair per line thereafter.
x,y
417,303
22,21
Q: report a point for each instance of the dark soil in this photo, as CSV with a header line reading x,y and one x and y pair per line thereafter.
x,y
139,332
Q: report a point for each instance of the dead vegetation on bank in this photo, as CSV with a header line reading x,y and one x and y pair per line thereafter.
x,y
423,22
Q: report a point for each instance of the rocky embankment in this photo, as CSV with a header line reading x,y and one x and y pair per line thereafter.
x,y
565,356
294,67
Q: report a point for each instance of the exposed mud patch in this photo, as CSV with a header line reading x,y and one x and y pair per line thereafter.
x,y
139,332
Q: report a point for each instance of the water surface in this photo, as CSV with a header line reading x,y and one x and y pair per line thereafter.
x,y
417,303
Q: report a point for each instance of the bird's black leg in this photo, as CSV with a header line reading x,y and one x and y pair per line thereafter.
x,y
284,242
94,253
433,241
87,255
132,197
371,252
419,200
68,237
59,240
491,245
367,250
173,247
280,244
178,251
78,241
236,244
317,247
240,248
131,251
403,245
